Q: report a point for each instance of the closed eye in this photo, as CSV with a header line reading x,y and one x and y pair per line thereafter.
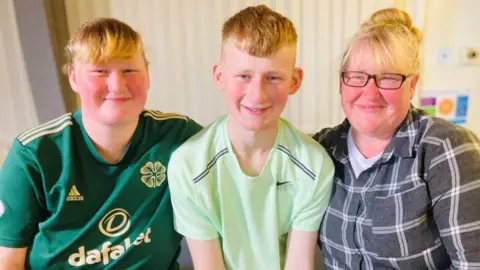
x,y
129,70
100,71
244,76
274,79
390,78
356,77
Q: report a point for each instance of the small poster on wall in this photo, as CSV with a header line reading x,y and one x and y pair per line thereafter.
x,y
451,105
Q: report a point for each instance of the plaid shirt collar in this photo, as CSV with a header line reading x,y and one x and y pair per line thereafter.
x,y
402,144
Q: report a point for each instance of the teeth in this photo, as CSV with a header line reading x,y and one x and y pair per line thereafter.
x,y
254,109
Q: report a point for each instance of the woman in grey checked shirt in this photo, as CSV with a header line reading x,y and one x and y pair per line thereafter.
x,y
406,192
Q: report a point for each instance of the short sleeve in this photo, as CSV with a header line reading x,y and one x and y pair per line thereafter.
x,y
20,210
312,207
190,219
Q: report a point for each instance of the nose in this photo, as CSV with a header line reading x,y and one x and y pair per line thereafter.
x,y
257,91
116,82
371,90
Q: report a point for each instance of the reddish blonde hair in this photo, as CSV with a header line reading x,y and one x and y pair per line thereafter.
x,y
259,31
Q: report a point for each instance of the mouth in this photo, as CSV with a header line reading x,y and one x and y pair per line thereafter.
x,y
117,99
256,110
369,107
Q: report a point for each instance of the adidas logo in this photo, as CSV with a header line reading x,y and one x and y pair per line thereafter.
x,y
74,195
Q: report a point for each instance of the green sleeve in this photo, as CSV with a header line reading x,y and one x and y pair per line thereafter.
x,y
190,219
19,198
309,216
192,128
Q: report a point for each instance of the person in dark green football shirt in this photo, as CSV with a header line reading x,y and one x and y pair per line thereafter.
x,y
89,188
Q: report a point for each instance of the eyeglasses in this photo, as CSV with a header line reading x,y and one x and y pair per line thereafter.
x,y
386,81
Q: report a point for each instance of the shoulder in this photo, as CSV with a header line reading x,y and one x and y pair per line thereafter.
x,y
163,120
301,144
441,129
40,151
199,151
439,135
304,151
432,140
448,154
176,127
51,129
329,137
208,139
433,130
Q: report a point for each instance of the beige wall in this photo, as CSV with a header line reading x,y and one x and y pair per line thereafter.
x,y
443,22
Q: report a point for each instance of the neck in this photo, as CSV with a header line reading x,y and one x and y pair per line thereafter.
x,y
370,146
252,147
110,141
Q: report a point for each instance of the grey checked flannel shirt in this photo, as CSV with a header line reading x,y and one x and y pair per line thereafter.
x,y
417,207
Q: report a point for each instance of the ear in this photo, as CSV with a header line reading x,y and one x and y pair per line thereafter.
x,y
413,85
72,78
218,76
297,78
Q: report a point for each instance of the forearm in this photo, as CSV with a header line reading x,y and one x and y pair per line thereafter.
x,y
12,258
301,250
206,254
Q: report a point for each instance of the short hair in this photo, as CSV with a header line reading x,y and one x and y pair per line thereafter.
x,y
101,40
393,39
259,31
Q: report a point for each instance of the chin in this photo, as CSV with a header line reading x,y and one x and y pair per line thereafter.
x,y
366,128
115,119
120,115
244,125
257,126
253,128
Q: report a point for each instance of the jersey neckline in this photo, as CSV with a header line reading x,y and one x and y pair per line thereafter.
x,y
77,115
234,157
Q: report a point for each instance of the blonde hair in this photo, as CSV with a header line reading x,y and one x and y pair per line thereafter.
x,y
101,40
393,39
259,31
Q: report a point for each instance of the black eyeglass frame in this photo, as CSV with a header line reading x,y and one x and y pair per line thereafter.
x,y
369,76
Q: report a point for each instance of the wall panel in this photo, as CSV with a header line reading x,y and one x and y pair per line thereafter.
x,y
17,110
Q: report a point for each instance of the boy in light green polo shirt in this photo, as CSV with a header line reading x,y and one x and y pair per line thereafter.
x,y
250,190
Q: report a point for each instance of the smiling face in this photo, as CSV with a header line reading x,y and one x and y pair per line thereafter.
x,y
256,88
371,110
111,93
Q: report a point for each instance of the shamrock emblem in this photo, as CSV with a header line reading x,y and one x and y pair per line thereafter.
x,y
153,174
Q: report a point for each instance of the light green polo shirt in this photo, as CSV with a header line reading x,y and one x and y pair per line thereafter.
x,y
251,216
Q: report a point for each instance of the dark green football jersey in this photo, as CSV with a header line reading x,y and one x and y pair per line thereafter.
x,y
72,208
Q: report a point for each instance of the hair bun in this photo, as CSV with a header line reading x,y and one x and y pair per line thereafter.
x,y
393,17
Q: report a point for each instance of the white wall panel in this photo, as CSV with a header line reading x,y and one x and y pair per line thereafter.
x,y
78,12
17,112
183,43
